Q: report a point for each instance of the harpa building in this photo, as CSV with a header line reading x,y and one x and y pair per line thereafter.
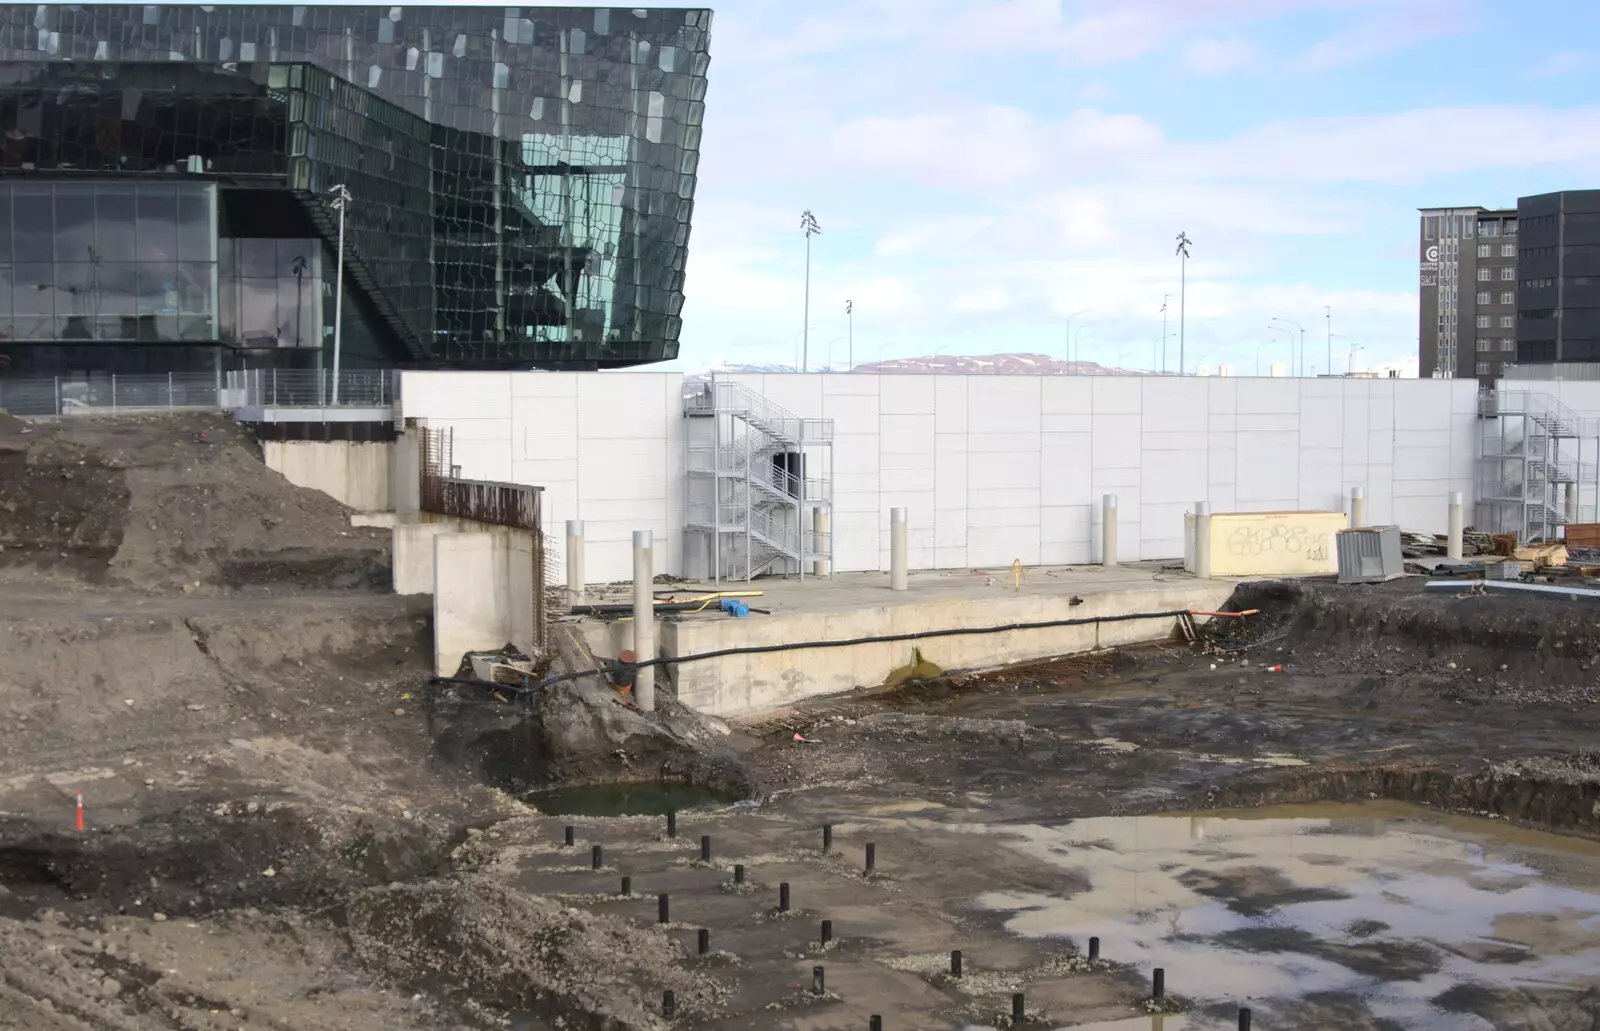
x,y
507,187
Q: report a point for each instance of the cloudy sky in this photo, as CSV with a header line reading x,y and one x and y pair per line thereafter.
x,y
982,169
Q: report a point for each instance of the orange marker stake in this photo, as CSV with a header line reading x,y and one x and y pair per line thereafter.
x,y
80,811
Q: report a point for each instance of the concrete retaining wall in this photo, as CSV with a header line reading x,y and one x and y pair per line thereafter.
x,y
357,474
742,684
482,594
412,551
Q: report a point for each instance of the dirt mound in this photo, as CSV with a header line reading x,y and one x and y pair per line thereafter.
x,y
167,503
502,948
1522,650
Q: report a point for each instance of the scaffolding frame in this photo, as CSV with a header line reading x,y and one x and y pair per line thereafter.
x,y
1532,467
758,479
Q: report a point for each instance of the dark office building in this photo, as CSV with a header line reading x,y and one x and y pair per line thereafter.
x,y
1468,320
521,182
1558,262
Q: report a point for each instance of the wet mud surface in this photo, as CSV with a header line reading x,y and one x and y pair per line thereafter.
x,y
1396,829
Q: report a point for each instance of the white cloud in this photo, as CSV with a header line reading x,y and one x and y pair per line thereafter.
x,y
1219,56
1391,26
993,146
1564,63
1403,147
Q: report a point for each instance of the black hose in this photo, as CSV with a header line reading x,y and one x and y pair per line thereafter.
x,y
763,649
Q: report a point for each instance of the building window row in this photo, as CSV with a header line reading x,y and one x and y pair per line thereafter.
x,y
1541,221
1483,297
1488,228
1508,297
1537,252
1546,282
1485,274
1537,314
1484,368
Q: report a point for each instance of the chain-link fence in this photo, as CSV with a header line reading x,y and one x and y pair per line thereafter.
x,y
215,391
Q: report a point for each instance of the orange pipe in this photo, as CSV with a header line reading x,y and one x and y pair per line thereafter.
x,y
1246,612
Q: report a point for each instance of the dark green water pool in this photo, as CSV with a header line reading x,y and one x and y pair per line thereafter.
x,y
652,798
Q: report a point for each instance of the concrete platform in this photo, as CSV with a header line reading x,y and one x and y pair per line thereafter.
x,y
856,605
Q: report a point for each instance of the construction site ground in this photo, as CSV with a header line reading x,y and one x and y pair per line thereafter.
x,y
273,841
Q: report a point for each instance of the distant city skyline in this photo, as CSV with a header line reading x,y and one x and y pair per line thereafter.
x,y
986,167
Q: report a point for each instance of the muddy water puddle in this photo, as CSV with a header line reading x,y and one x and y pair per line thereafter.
x,y
1387,914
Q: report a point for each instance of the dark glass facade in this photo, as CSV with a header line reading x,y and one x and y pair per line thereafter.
x,y
522,181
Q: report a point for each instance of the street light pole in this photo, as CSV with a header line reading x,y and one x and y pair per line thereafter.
x,y
1077,344
1081,311
850,332
1183,293
1164,299
1302,329
808,225
341,201
1349,365
1328,313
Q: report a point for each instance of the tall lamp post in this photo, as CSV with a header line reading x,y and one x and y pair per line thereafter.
x,y
1302,330
809,226
1077,342
850,333
340,202
1350,362
1164,299
1081,311
1183,292
1327,310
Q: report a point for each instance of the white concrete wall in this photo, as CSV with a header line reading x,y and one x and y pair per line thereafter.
x,y
607,447
992,468
356,474
482,595
996,468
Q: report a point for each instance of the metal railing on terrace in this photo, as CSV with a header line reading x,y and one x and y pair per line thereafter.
x,y
731,397
203,391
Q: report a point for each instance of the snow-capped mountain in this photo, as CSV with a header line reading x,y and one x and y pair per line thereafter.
x,y
966,364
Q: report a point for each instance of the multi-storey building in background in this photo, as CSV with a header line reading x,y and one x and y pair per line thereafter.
x,y
520,180
1468,283
1558,260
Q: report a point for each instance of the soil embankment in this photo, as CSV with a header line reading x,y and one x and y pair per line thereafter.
x,y
159,504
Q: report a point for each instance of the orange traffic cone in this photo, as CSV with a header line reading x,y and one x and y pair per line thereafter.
x,y
80,811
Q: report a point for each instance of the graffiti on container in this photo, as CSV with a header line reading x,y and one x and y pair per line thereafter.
x,y
1279,539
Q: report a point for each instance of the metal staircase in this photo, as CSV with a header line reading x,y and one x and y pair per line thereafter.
x,y
760,489
1530,468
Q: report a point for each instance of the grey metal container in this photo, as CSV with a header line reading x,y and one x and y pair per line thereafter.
x,y
1369,554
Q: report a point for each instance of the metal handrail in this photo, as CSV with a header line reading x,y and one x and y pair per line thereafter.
x,y
734,398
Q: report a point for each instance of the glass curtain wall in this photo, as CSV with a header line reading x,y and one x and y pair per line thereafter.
x,y
98,261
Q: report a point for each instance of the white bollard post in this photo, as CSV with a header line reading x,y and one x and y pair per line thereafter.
x,y
1358,507
1108,530
1453,545
1202,539
897,549
575,578
821,546
1572,503
644,622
